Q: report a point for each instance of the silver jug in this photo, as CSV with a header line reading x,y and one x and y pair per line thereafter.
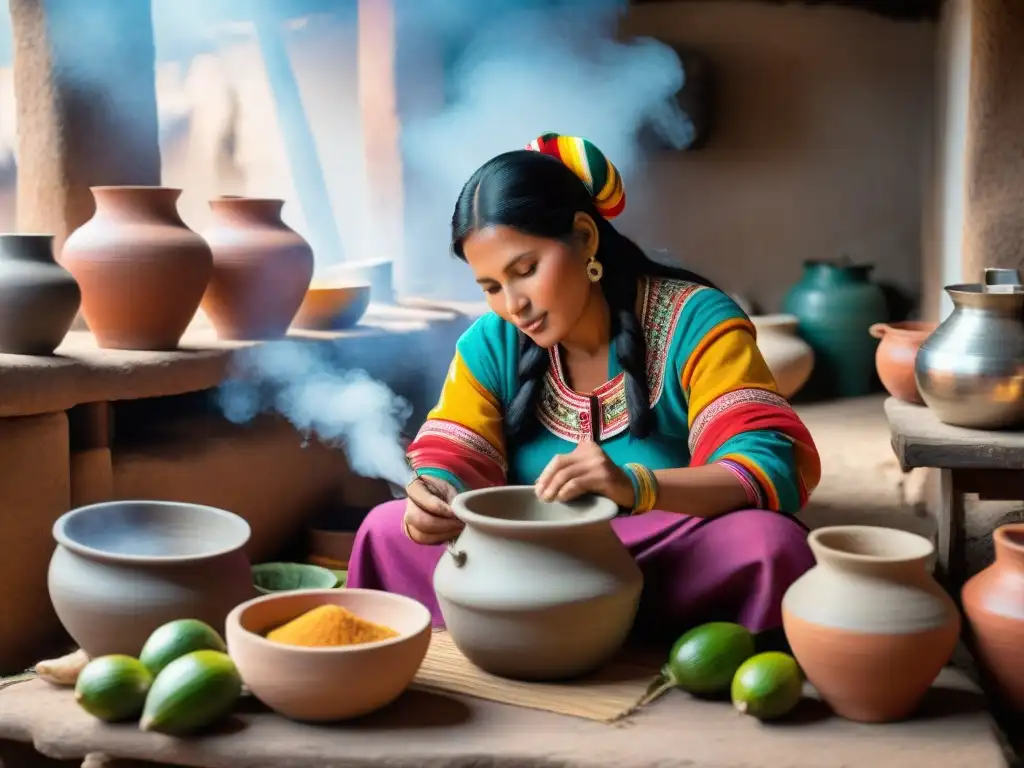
x,y
970,371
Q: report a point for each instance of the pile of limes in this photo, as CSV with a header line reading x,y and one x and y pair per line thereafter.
x,y
721,658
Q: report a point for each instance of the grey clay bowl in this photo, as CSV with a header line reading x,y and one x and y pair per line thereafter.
x,y
289,577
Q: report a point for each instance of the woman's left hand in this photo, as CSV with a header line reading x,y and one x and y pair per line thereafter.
x,y
587,469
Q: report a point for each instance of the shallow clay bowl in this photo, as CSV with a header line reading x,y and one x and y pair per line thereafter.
x,y
332,308
328,684
289,577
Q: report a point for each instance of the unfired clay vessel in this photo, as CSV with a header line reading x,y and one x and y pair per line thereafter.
x,y
123,568
536,591
141,270
789,358
38,297
895,356
869,625
994,603
328,684
262,268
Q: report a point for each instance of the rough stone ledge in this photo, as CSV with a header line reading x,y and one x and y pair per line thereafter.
x,y
80,372
952,730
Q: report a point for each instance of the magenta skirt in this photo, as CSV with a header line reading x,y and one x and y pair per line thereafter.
x,y
735,567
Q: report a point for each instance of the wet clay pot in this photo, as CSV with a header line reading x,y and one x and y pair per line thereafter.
x,y
141,270
895,356
262,268
868,624
994,603
123,568
38,298
536,591
789,358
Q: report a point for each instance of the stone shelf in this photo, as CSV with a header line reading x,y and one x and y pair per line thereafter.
x,y
952,729
81,372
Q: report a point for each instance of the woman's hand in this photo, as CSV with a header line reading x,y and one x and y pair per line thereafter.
x,y
587,469
428,514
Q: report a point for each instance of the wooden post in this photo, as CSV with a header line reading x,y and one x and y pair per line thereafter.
x,y
84,80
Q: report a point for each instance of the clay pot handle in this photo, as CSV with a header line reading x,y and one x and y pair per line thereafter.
x,y
457,554
878,330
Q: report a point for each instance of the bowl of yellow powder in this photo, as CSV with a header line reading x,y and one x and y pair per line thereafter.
x,y
325,655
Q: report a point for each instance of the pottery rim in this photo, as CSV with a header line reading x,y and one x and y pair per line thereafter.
x,y
598,510
781,320
907,329
1009,538
891,545
117,557
236,614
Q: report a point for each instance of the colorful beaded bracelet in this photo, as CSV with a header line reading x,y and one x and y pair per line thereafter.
x,y
645,487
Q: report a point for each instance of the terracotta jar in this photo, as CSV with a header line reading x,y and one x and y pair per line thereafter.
x,y
868,624
525,577
142,271
123,568
38,298
262,268
994,603
789,358
895,356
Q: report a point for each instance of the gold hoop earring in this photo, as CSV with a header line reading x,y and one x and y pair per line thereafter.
x,y
595,270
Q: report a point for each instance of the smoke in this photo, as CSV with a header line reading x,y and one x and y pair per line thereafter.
x,y
516,69
305,383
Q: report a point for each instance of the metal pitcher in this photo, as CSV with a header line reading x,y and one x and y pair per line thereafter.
x,y
970,371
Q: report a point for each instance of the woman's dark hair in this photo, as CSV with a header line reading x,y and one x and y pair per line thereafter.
x,y
539,195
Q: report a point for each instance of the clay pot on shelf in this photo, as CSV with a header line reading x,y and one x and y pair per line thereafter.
x,y
262,268
141,270
123,568
524,576
836,303
895,356
789,358
38,297
994,604
868,624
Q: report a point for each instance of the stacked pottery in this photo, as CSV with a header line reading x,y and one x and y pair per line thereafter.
x,y
789,358
38,297
994,603
896,354
262,268
868,624
141,270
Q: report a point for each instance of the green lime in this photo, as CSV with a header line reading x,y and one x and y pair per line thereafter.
x,y
768,685
192,692
177,638
113,688
704,660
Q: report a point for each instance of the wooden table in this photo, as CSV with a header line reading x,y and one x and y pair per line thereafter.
x,y
951,730
988,463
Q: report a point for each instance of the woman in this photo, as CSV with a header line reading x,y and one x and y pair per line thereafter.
x,y
601,371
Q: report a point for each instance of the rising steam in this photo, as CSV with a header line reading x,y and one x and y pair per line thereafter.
x,y
303,382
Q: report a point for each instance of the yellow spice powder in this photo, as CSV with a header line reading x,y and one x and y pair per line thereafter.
x,y
329,625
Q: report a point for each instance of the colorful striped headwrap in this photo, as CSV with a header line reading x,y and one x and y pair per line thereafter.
x,y
589,163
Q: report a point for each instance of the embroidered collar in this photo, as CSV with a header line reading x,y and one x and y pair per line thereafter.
x,y
603,414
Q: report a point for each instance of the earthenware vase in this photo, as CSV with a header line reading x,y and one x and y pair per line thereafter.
x,y
868,624
994,603
536,591
262,268
789,358
123,568
141,270
836,303
38,297
895,356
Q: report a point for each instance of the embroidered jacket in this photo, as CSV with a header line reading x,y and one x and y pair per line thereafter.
x,y
712,395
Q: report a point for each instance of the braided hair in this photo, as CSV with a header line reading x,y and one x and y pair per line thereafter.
x,y
539,191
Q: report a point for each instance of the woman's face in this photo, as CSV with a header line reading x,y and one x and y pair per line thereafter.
x,y
537,284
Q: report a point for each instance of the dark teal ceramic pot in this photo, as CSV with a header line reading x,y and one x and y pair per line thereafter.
x,y
836,303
